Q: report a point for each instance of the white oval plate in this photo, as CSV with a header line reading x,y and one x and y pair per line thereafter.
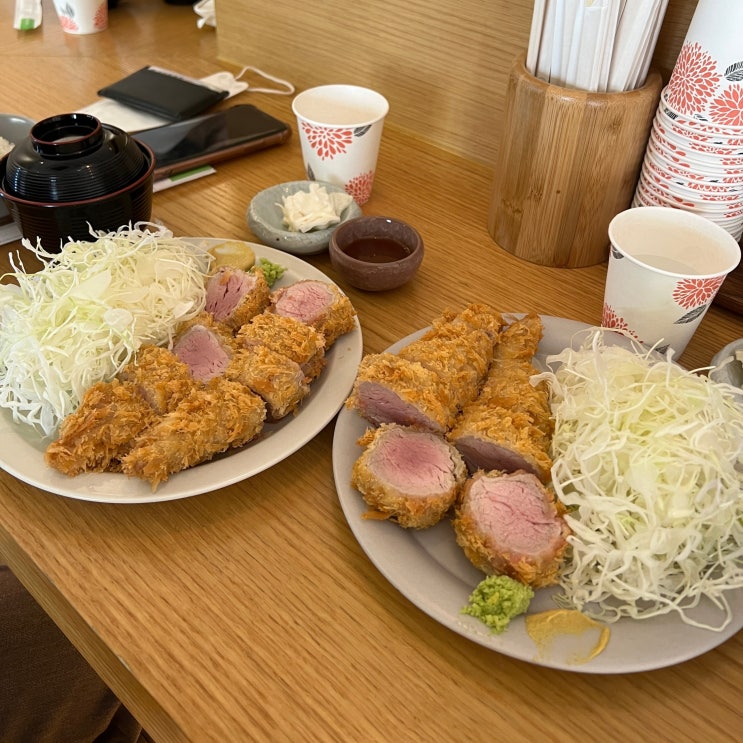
x,y
430,569
22,451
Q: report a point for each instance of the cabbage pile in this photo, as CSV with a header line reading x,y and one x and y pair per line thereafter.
x,y
81,318
648,459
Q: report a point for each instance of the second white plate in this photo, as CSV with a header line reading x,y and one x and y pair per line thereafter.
x,y
430,569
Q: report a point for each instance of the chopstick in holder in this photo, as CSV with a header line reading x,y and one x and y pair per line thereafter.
x,y
633,35
594,45
574,56
544,59
592,19
639,81
558,43
571,32
601,34
612,21
535,35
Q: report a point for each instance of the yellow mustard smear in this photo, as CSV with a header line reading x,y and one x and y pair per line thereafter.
x,y
547,627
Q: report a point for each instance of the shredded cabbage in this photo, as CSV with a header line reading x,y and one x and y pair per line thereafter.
x,y
81,318
648,459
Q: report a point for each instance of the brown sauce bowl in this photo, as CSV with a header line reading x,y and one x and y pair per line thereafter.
x,y
376,253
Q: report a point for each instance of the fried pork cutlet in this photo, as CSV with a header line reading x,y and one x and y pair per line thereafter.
x,y
509,425
100,431
459,349
288,336
428,382
473,317
388,389
205,349
510,524
278,380
160,377
408,476
317,303
213,418
234,296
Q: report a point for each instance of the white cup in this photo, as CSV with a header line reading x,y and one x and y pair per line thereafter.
x,y
82,16
340,129
703,81
665,268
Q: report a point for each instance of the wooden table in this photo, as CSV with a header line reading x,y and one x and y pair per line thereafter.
x,y
251,613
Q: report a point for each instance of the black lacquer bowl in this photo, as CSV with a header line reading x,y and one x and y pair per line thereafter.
x,y
72,175
72,157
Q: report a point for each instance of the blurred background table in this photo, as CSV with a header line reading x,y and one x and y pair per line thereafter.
x,y
251,613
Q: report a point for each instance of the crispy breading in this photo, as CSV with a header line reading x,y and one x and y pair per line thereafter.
x,y
438,373
510,416
252,303
410,477
530,551
388,389
476,316
277,379
160,376
508,387
93,437
520,339
296,340
213,418
458,351
332,314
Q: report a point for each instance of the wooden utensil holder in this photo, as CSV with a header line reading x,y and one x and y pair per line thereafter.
x,y
568,163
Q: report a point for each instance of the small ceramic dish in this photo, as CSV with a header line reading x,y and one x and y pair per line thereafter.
x,y
726,367
376,253
265,219
13,129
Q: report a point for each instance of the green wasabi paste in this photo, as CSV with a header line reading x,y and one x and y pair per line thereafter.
x,y
272,272
497,600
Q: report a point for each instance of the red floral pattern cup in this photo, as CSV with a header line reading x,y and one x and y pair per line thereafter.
x,y
694,156
665,267
340,129
82,16
707,79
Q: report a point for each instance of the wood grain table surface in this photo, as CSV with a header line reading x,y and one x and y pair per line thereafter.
x,y
251,612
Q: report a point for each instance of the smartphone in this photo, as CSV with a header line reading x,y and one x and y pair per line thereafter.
x,y
212,137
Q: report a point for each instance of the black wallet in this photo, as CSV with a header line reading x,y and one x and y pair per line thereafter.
x,y
163,94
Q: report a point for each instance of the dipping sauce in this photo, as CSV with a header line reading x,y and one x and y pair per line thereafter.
x,y
376,250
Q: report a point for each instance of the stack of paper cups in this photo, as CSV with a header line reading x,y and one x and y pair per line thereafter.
x,y
694,156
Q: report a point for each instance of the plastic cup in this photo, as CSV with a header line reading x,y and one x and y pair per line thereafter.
x,y
340,128
665,268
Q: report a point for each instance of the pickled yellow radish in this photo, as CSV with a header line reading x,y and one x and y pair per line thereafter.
x,y
233,253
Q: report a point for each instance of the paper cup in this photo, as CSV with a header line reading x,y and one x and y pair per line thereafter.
x,y
82,16
665,268
704,81
340,128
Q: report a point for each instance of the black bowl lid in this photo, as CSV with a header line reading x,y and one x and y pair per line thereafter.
x,y
71,157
